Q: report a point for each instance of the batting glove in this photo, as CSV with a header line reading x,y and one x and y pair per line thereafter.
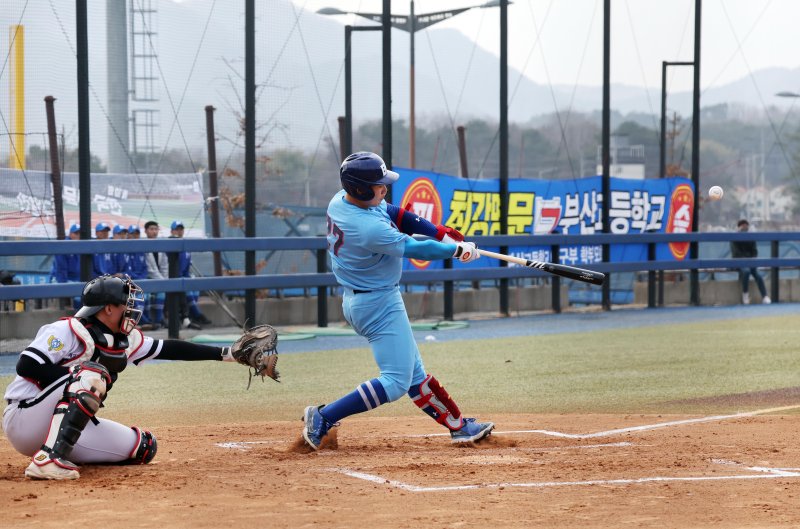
x,y
448,235
466,252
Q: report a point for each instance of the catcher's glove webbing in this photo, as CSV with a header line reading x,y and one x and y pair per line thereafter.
x,y
257,349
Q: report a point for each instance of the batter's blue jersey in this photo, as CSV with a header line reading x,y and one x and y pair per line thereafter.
x,y
366,248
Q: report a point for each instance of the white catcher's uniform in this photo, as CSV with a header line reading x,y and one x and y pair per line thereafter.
x,y
26,419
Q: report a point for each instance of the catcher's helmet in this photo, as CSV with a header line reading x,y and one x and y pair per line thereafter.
x,y
113,290
360,171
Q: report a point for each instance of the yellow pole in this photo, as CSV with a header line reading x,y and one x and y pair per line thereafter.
x,y
17,88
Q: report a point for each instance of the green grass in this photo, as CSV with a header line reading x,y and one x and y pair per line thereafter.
x,y
641,370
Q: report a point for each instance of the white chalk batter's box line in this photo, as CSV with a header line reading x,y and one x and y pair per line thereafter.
x,y
762,473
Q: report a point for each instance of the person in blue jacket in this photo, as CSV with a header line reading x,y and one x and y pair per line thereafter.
x,y
137,269
103,263
67,267
189,307
121,264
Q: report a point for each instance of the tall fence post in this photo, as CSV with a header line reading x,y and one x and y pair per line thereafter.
x,y
555,281
448,293
173,300
651,277
322,291
775,272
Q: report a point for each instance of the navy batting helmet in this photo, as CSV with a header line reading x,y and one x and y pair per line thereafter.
x,y
360,171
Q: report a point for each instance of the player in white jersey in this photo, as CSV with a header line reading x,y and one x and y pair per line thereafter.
x,y
63,377
367,241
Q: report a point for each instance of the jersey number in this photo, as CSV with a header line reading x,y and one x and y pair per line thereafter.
x,y
337,232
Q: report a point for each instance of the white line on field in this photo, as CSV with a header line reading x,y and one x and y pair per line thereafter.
x,y
765,473
641,428
242,445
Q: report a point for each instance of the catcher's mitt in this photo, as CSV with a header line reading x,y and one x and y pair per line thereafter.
x,y
257,349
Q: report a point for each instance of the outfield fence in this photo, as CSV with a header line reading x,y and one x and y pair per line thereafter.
x,y
323,279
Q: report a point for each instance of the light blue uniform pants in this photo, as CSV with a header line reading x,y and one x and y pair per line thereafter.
x,y
380,316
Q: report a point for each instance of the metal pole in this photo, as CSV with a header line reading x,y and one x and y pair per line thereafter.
x,y
606,179
462,150
662,152
347,148
117,135
55,172
250,151
386,20
412,117
212,184
84,155
504,147
342,134
774,276
694,277
555,281
175,320
322,291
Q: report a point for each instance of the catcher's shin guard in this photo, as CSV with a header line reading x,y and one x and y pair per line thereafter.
x,y
145,449
84,392
434,400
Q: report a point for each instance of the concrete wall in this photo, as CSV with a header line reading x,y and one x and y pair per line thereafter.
x,y
303,310
717,292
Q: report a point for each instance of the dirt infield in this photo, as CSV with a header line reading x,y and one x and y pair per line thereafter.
x,y
574,470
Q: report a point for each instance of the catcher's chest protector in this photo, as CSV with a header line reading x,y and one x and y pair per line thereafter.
x,y
113,356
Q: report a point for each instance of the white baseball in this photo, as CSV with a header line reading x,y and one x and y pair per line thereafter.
x,y
430,338
715,193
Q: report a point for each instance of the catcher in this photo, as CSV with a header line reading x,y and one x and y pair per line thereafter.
x,y
64,375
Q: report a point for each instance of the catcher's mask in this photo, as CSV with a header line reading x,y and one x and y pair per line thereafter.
x,y
360,171
113,290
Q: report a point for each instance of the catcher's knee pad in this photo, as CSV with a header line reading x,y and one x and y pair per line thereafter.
x,y
434,400
144,450
83,396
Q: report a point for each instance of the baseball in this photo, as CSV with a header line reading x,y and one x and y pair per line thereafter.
x,y
715,193
430,338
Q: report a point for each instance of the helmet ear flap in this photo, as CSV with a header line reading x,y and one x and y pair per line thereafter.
x,y
358,190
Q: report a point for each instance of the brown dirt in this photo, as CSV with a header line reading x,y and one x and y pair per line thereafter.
x,y
273,482
750,400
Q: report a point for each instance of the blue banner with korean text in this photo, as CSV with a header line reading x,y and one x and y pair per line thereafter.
x,y
542,207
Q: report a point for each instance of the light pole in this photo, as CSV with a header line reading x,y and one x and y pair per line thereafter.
x,y
411,23
651,276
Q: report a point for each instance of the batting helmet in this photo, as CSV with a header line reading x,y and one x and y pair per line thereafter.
x,y
360,171
113,290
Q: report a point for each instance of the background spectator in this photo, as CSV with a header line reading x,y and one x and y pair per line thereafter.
x,y
67,267
103,262
748,249
157,268
189,307
137,269
121,265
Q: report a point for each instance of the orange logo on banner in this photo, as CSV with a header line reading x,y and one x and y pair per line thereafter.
x,y
680,218
426,203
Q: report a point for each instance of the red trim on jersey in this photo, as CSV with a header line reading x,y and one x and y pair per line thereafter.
x,y
141,343
78,336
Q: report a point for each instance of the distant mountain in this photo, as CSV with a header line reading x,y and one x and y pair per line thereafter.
x,y
300,73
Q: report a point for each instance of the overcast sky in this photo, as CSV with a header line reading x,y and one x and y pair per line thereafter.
x,y
739,36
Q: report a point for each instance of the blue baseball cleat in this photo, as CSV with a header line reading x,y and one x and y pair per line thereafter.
x,y
316,426
472,431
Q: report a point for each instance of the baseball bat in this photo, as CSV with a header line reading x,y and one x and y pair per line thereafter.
x,y
570,272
